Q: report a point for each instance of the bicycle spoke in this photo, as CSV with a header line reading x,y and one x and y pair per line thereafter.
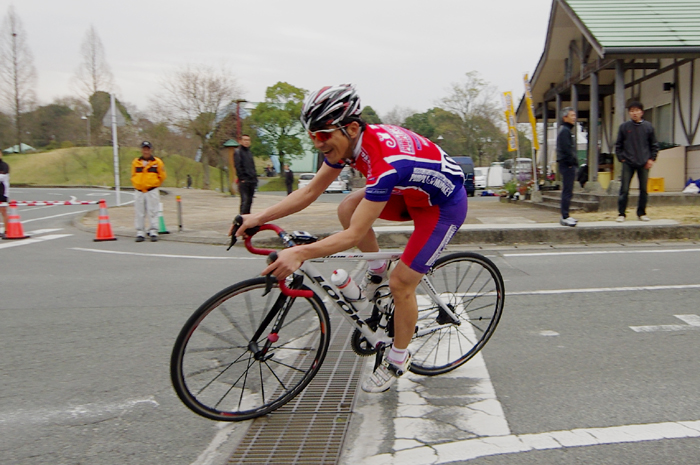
x,y
225,311
471,287
220,373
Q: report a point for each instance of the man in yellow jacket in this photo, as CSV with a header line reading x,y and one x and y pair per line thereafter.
x,y
147,174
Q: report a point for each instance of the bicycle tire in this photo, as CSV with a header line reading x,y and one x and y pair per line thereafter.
x,y
213,366
472,286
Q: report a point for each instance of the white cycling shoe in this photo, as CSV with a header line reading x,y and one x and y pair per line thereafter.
x,y
385,375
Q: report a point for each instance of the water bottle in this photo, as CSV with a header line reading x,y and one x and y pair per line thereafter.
x,y
349,288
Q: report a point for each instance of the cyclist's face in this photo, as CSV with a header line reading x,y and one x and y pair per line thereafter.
x,y
338,147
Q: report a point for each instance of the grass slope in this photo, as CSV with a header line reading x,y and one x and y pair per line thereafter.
x,y
94,166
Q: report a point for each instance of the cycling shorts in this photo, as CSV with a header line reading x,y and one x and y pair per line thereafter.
x,y
433,228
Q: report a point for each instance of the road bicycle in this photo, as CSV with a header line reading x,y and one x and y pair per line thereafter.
x,y
255,345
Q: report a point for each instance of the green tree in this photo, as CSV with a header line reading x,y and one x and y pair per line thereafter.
x,y
424,124
49,125
370,116
276,121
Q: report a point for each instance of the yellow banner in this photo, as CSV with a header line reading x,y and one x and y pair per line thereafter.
x,y
531,113
510,121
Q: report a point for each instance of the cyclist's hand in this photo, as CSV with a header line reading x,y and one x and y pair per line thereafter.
x,y
249,221
288,261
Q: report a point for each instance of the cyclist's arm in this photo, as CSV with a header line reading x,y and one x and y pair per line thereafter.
x,y
294,202
289,260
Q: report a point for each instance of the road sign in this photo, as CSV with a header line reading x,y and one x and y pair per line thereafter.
x,y
107,120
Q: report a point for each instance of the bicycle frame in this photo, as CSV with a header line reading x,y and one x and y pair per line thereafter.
x,y
323,287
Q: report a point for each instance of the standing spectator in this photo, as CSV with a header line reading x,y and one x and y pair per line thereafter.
x,y
189,181
247,177
147,174
568,163
288,179
4,190
636,148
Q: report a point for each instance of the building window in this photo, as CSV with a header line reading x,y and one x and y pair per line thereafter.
x,y
662,123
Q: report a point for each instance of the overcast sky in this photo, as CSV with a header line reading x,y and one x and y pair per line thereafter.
x,y
398,52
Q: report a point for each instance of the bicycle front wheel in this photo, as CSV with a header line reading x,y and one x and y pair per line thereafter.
x,y
472,287
242,355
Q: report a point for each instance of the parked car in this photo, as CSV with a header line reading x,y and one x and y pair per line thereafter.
x,y
305,179
339,185
521,170
480,175
467,166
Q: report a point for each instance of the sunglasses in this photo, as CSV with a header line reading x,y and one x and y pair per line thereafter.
x,y
323,135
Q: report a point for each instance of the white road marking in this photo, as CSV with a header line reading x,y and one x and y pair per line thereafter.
x,y
42,231
54,216
548,333
606,289
72,413
162,255
32,240
692,323
469,449
598,252
212,452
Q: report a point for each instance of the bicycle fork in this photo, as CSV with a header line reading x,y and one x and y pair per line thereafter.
x,y
278,312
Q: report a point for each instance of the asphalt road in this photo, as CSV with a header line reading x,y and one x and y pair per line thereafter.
x,y
87,329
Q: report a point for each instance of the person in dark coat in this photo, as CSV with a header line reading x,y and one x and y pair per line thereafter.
x,y
636,148
288,179
247,176
568,163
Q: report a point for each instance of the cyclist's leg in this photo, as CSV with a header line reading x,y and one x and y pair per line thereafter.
x,y
434,227
403,284
345,210
395,210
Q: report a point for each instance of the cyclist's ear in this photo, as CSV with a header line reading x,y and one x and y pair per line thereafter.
x,y
353,129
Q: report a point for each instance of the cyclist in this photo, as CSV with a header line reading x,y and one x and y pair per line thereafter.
x,y
408,178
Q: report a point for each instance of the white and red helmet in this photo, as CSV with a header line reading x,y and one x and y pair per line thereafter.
x,y
331,105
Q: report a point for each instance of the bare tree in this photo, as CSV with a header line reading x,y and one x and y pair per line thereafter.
x,y
193,99
478,116
397,116
17,72
94,73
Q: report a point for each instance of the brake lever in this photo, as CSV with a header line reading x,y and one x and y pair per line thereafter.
x,y
269,279
237,223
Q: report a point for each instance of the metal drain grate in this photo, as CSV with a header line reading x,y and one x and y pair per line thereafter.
x,y
310,428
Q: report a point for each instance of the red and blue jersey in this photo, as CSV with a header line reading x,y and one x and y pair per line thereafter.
x,y
396,161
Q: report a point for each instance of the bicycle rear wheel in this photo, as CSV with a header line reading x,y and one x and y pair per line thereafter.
x,y
472,287
229,363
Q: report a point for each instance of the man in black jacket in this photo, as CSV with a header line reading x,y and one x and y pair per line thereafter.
x,y
4,190
568,163
247,176
636,148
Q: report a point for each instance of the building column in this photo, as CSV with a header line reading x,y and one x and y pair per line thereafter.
x,y
545,144
593,119
620,111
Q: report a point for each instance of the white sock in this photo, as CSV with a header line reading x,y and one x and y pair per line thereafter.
x,y
377,266
397,356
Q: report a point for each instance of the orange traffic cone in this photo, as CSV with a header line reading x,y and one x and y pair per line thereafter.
x,y
104,229
13,228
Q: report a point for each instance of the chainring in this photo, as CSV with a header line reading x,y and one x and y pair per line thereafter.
x,y
360,345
